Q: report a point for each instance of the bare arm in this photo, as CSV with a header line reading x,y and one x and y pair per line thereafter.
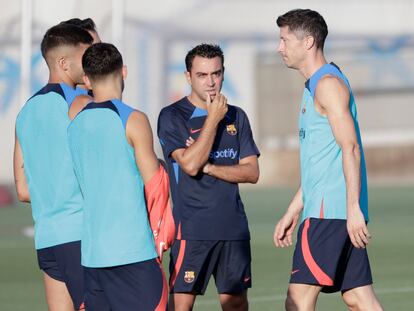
x,y
247,171
78,104
22,188
139,134
284,228
332,97
193,158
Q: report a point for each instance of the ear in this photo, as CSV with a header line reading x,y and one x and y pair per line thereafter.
x,y
87,82
63,64
310,42
188,76
124,72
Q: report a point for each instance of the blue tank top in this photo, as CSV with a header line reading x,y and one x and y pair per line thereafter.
x,y
56,201
322,177
116,229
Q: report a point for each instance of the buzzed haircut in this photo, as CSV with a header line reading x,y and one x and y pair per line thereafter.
x,y
86,24
307,21
203,50
100,60
64,34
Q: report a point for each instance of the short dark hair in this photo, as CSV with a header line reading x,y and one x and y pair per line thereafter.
x,y
87,23
308,21
64,34
203,50
101,59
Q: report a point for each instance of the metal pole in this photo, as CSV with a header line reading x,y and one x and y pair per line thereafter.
x,y
25,50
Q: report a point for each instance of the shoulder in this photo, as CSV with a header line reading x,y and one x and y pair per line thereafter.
x,y
236,113
173,113
48,94
331,88
78,104
137,116
167,111
82,99
138,121
330,83
138,126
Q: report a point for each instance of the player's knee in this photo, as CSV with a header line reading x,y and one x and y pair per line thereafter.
x,y
358,302
351,301
173,306
290,304
234,302
299,300
181,302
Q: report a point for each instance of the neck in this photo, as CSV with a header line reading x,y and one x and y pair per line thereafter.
x,y
104,92
58,77
312,64
197,101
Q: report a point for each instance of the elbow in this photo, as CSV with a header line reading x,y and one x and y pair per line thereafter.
x,y
254,178
351,149
351,152
190,169
356,150
23,195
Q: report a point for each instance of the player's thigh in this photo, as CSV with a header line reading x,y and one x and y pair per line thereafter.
x,y
233,268
138,286
361,298
95,298
191,265
57,295
68,258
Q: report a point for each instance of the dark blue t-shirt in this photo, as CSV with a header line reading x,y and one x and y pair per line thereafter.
x,y
205,207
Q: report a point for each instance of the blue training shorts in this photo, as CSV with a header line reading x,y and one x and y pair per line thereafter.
x,y
325,256
63,263
137,286
193,262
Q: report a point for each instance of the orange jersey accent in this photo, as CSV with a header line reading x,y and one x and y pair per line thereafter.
x,y
157,193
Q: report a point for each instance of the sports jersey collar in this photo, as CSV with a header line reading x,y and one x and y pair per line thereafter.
x,y
197,111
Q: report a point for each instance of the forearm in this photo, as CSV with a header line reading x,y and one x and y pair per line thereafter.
x,y
239,173
351,158
296,205
195,156
356,223
20,181
147,165
22,193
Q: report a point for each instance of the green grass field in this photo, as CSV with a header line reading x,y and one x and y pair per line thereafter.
x,y
391,253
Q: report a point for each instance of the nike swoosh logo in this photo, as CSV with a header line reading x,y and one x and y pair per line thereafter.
x,y
247,279
194,131
294,271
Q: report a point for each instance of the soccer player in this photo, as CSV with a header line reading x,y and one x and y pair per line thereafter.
x,y
330,253
43,168
87,24
112,151
209,149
